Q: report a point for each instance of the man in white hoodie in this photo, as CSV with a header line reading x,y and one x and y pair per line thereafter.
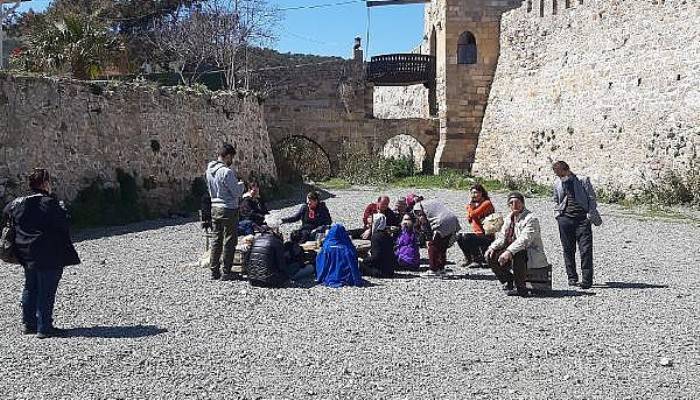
x,y
225,191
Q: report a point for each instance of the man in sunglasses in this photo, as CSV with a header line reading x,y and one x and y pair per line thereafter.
x,y
517,247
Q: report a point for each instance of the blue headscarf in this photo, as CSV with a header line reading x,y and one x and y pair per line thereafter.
x,y
336,263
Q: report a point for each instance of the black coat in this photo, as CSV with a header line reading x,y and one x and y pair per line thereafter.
x,y
43,236
253,209
266,264
323,217
381,254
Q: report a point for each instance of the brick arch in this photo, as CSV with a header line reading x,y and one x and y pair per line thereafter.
x,y
331,154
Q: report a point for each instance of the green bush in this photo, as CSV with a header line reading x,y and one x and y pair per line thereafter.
x,y
359,166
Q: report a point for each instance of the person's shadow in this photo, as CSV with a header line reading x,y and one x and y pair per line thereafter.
x,y
629,285
115,332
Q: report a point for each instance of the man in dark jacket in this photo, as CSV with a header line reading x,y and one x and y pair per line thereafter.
x,y
252,207
314,216
266,263
381,261
44,248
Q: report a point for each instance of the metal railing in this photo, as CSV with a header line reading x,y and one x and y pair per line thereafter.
x,y
401,69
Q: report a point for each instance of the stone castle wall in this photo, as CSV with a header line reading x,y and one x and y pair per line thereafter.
x,y
83,132
612,87
399,102
331,104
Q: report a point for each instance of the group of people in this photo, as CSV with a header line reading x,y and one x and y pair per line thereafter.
x,y
42,244
396,234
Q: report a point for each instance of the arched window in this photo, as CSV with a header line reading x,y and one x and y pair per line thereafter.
x,y
466,49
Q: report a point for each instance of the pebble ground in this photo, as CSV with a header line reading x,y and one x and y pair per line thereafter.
x,y
145,324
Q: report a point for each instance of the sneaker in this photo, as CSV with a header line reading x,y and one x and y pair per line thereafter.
x,y
508,286
53,332
215,274
573,283
518,292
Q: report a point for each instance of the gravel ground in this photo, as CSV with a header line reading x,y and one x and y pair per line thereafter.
x,y
144,325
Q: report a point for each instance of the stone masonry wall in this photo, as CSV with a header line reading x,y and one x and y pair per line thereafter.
x,y
331,103
612,87
82,132
397,102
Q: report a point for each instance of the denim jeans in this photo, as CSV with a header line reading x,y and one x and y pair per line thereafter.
x,y
225,237
39,296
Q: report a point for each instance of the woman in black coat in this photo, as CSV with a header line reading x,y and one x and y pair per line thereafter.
x,y
381,262
43,247
314,217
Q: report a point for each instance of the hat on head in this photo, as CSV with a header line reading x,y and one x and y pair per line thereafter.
x,y
516,195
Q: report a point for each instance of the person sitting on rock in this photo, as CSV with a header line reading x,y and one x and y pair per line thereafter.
x,y
517,247
314,216
407,245
252,208
336,262
380,206
442,226
474,243
381,261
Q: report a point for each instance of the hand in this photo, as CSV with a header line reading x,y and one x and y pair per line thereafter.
x,y
366,234
488,254
505,258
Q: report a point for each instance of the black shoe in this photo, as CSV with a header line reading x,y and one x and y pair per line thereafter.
x,y
215,274
508,286
573,282
230,276
28,330
518,292
53,332
586,285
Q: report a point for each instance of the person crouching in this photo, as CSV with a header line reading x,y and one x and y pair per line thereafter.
x,y
407,245
517,246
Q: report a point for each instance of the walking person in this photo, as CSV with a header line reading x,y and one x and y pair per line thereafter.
x,y
576,208
225,190
43,247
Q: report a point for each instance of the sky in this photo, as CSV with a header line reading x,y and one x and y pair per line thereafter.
x,y
331,30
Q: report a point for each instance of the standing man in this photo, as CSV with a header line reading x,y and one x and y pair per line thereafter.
x,y
576,208
517,247
225,191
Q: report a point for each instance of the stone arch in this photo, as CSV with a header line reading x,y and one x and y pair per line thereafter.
x,y
467,52
403,145
298,156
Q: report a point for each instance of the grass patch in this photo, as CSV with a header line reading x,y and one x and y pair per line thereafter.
x,y
334,184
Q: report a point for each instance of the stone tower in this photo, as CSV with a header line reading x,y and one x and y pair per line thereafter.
x,y
463,35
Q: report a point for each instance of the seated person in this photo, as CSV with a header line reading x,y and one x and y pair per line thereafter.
x,y
411,201
474,243
336,262
443,225
314,217
517,247
252,207
380,206
401,207
381,261
407,245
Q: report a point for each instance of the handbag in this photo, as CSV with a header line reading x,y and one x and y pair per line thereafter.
x,y
8,251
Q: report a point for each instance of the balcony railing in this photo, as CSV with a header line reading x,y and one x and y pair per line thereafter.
x,y
401,69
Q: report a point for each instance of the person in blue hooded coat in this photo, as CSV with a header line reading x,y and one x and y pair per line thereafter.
x,y
336,263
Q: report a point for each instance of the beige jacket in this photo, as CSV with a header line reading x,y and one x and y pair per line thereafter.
x,y
527,237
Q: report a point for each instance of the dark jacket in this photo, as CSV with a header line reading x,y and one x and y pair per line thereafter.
x,y
43,237
323,217
381,254
266,264
253,209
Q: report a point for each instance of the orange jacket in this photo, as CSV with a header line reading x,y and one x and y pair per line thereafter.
x,y
477,214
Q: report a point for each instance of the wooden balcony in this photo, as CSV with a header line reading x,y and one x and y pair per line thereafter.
x,y
401,70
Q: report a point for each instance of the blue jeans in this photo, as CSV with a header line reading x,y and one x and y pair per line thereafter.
x,y
39,296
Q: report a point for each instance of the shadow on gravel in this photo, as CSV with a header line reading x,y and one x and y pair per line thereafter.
x,y
116,332
562,293
471,277
630,285
98,233
399,275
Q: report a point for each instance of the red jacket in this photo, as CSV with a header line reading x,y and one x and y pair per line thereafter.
x,y
477,214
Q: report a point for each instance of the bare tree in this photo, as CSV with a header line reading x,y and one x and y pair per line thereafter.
x,y
215,36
